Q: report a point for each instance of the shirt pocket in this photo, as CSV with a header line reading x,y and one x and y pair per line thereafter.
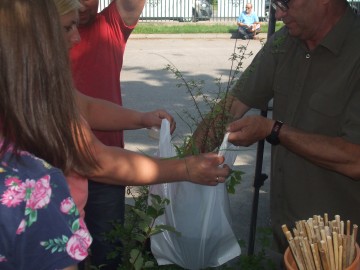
x,y
326,105
325,114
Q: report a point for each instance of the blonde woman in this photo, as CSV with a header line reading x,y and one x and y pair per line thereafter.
x,y
40,225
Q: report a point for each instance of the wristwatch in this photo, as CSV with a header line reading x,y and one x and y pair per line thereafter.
x,y
273,138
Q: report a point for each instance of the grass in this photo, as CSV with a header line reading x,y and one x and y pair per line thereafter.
x,y
191,28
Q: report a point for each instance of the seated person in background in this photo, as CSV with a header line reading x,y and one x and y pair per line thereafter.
x,y
248,23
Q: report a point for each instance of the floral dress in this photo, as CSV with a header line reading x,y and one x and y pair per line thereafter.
x,y
40,226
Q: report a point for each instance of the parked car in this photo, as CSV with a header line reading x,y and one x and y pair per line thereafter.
x,y
202,10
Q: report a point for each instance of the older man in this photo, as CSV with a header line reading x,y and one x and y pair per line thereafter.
x,y
248,23
311,69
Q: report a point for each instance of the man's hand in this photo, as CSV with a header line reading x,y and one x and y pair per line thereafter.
x,y
250,129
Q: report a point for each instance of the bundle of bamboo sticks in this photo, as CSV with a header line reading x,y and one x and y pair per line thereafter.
x,y
322,244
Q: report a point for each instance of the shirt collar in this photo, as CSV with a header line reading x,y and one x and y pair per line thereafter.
x,y
336,37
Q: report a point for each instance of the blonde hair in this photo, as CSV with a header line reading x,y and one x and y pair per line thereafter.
x,y
66,6
38,112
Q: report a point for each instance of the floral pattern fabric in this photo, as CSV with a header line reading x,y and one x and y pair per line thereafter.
x,y
40,224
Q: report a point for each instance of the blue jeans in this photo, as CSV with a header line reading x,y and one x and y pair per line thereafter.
x,y
245,33
106,204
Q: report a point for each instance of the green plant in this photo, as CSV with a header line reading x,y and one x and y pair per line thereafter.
x,y
211,108
259,260
139,219
210,117
137,229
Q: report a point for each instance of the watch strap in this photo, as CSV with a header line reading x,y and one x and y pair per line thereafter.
x,y
273,138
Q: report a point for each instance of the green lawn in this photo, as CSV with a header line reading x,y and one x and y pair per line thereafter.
x,y
190,28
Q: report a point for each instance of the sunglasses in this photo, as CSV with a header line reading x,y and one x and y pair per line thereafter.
x,y
282,4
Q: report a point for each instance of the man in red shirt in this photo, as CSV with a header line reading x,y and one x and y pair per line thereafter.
x,y
96,64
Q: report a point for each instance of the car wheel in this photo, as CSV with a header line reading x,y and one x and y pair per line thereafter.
x,y
195,16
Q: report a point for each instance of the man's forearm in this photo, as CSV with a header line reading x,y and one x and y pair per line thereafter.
x,y
333,153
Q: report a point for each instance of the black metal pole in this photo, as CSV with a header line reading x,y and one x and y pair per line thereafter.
x,y
260,177
259,180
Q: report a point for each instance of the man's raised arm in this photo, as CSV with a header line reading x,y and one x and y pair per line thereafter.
x,y
130,10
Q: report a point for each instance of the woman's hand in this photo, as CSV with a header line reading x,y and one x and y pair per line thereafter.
x,y
154,118
205,169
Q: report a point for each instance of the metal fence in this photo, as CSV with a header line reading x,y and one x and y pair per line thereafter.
x,y
196,10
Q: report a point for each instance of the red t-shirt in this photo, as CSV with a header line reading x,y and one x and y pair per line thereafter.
x,y
97,61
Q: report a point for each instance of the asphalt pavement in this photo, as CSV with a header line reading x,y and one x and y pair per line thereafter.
x,y
147,86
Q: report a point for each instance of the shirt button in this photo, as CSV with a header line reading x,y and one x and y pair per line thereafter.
x,y
307,56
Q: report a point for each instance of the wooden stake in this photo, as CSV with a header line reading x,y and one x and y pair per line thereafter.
x,y
335,228
342,227
308,231
316,257
325,248
326,219
340,265
292,246
306,255
323,235
298,226
310,222
309,252
337,218
316,219
355,231
317,233
296,255
340,243
298,249
352,246
348,249
348,223
324,262
336,249
344,240
284,229
331,252
327,231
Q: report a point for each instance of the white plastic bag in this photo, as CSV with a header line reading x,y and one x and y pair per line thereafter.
x,y
200,213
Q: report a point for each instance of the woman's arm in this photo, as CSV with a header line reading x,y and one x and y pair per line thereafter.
x,y
105,115
123,167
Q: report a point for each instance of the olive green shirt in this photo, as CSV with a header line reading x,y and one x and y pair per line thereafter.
x,y
316,91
